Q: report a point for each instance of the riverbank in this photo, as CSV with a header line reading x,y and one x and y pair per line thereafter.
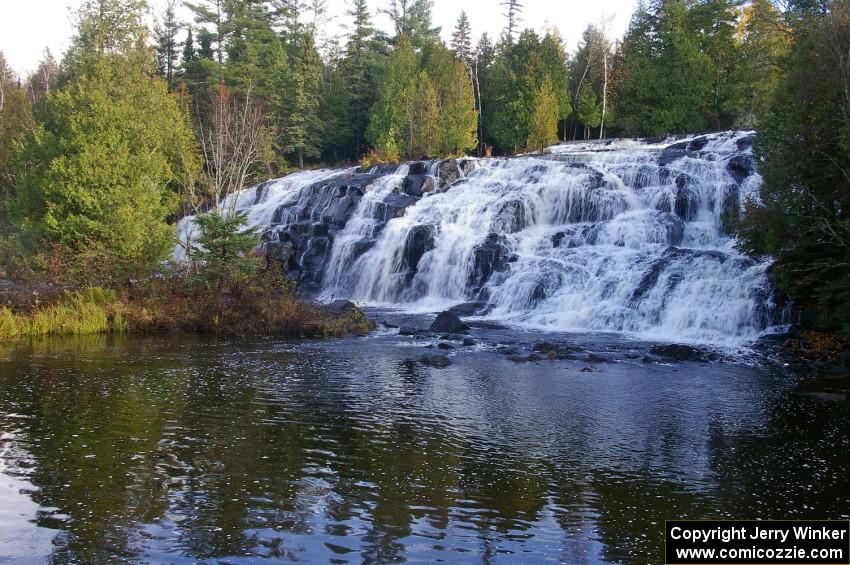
x,y
266,307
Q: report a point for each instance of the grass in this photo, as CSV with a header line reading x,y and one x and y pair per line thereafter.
x,y
83,312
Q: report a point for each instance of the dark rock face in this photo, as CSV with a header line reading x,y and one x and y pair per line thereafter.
x,y
420,240
488,257
448,322
741,166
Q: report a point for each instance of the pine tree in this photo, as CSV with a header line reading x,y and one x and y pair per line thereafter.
x,y
513,8
301,127
391,124
356,67
188,53
462,39
165,36
16,120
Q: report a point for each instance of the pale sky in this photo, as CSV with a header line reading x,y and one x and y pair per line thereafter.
x,y
28,26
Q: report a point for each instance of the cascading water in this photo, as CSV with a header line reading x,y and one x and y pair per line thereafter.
x,y
620,236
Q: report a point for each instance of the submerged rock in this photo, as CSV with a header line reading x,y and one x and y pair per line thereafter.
x,y
679,352
438,361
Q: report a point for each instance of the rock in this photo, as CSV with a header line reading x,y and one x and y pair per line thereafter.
x,y
486,325
448,172
467,308
388,324
745,142
586,370
341,307
438,361
468,342
448,322
488,257
407,330
678,352
741,166
593,358
444,345
508,350
545,346
420,240
524,358
395,205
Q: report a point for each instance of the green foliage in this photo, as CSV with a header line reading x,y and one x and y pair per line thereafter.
x,y
588,111
222,252
803,146
99,172
544,119
512,84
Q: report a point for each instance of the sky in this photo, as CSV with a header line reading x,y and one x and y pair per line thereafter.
x,y
28,26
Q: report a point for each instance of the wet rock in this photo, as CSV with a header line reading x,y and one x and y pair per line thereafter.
x,y
417,185
468,342
648,281
408,330
444,345
679,352
389,324
448,172
741,166
448,322
525,358
468,308
486,325
670,155
395,205
420,240
594,358
438,361
508,350
488,257
586,370
744,143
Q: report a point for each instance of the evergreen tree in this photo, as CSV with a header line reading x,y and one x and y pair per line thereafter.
x,y
335,109
412,19
165,35
224,251
15,121
302,134
391,125
98,174
462,39
543,129
188,53
555,61
513,9
359,61
588,111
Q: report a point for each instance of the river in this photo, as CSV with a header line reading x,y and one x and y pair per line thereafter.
x,y
186,450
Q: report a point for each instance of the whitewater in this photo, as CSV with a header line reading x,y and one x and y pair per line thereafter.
x,y
618,236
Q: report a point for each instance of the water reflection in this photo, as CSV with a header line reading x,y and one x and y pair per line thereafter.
x,y
346,452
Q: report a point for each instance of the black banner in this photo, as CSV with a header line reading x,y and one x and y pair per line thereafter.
x,y
757,542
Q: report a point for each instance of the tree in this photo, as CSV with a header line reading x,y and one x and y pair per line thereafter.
x,y
357,67
544,120
412,19
165,36
554,57
301,127
513,8
98,174
224,251
588,111
391,125
15,122
803,147
44,79
462,39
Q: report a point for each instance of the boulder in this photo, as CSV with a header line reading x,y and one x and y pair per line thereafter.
x,y
488,257
420,240
448,322
467,308
341,307
408,330
444,345
448,172
468,342
741,166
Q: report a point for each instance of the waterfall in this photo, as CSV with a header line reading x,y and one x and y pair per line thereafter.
x,y
623,236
